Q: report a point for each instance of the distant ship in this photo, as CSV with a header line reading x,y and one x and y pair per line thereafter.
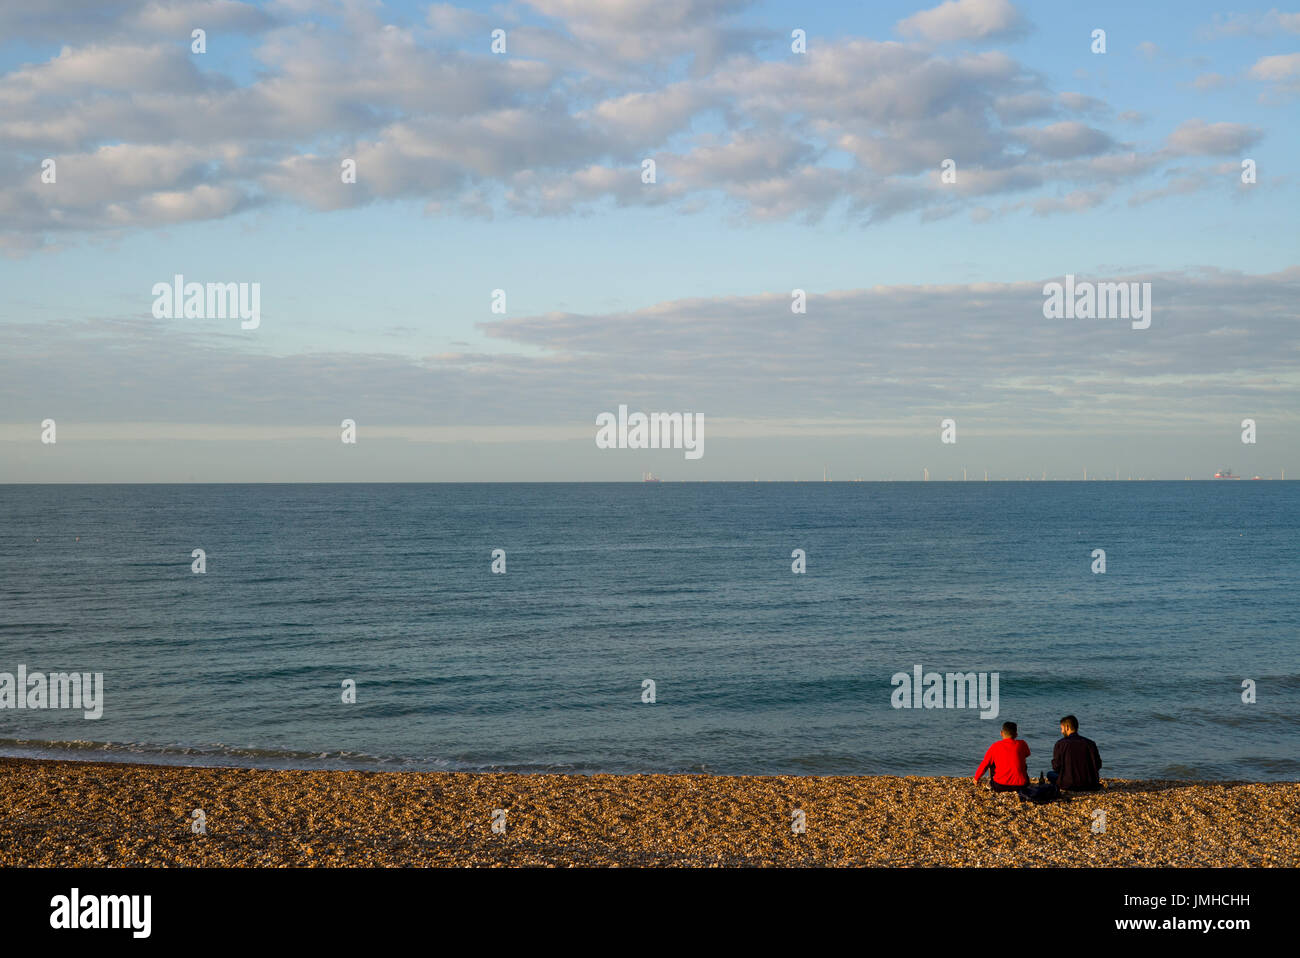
x,y
650,477
1225,474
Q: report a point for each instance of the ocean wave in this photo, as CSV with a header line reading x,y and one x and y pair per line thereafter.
x,y
221,756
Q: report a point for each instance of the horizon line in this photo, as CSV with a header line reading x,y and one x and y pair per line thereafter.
x,y
606,482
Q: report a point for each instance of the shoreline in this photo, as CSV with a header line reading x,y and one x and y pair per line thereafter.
x,y
57,812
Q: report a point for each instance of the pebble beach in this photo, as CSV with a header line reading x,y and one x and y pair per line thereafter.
x,y
57,813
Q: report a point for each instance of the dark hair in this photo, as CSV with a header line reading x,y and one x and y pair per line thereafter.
x,y
1071,723
1009,727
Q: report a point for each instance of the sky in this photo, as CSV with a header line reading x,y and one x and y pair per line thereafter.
x,y
919,171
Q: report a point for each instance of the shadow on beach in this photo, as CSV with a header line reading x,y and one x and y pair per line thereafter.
x,y
1114,787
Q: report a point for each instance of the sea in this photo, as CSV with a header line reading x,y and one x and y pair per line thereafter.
x,y
657,627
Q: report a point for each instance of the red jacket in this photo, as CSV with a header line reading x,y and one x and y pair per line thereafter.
x,y
1007,756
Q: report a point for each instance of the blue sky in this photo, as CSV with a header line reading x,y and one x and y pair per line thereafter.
x,y
520,172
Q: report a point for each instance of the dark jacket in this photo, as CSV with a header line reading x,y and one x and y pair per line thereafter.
x,y
1078,763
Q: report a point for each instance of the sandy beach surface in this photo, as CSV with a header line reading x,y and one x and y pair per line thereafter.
x,y
109,814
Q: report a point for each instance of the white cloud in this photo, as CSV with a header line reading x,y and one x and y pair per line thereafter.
x,y
958,20
891,349
1065,140
638,30
179,17
1196,137
1081,103
1254,24
856,126
1280,67
106,68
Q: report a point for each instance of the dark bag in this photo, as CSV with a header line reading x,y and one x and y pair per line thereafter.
x,y
1039,794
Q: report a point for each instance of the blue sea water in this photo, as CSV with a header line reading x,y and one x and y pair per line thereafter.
x,y
757,670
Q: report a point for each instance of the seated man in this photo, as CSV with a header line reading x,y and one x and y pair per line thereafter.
x,y
1076,763
1005,761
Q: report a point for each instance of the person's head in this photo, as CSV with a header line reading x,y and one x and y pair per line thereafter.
x,y
1069,725
1008,729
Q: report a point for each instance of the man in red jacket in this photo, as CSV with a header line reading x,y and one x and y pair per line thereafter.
x,y
1005,761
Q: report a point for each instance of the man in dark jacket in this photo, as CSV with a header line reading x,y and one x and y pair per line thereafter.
x,y
1076,763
